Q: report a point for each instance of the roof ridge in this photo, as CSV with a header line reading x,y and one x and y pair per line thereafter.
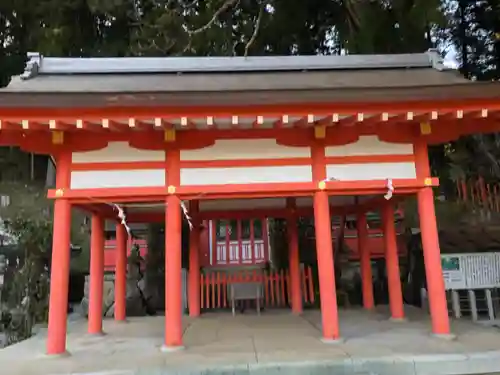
x,y
37,64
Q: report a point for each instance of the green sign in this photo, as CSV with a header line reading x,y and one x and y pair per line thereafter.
x,y
450,263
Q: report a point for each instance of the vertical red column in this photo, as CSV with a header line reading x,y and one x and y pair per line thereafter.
x,y
366,265
293,259
265,238
121,273
59,269
96,275
430,245
194,262
173,259
392,263
326,272
324,248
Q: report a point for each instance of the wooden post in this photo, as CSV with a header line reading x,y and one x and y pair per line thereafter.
x,y
293,259
194,262
121,273
366,265
392,263
430,244
326,273
173,256
59,270
173,276
96,275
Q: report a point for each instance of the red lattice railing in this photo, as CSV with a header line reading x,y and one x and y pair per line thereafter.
x,y
479,195
215,294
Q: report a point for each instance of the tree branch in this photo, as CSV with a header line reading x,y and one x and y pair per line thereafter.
x,y
227,4
255,30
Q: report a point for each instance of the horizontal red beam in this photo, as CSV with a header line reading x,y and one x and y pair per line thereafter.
x,y
149,194
371,205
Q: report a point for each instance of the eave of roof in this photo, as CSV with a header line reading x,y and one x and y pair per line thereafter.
x,y
235,81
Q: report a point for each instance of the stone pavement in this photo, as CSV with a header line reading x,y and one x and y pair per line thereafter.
x,y
276,342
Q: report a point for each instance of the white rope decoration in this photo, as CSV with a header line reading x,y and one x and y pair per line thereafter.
x,y
390,189
186,214
122,217
387,196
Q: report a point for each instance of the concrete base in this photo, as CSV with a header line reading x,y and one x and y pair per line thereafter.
x,y
97,334
66,354
444,336
340,340
398,320
171,349
266,345
121,321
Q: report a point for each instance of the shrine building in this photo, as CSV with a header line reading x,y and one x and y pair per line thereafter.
x,y
241,138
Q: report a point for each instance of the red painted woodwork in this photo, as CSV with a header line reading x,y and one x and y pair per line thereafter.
x,y
204,244
430,246
120,273
375,244
96,275
258,190
365,261
392,262
194,261
239,242
276,286
60,263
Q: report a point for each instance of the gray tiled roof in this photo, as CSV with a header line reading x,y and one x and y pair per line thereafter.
x,y
50,81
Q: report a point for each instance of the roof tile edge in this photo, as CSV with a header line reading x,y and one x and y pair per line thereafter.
x,y
437,60
32,65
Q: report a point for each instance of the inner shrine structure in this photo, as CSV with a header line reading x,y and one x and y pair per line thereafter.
x,y
233,137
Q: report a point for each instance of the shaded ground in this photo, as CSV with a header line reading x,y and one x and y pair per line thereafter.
x,y
276,341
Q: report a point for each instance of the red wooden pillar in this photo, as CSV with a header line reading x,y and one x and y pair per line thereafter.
x,y
293,259
59,270
366,266
324,248
96,275
194,262
392,263
326,272
432,257
173,260
430,245
121,273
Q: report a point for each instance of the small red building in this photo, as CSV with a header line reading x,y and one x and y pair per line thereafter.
x,y
235,138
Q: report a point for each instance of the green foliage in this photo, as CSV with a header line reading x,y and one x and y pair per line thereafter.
x,y
27,288
211,27
27,225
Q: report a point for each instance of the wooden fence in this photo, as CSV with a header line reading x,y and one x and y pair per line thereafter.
x,y
479,195
275,284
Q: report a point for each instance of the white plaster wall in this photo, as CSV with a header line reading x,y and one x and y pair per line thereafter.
x,y
245,175
369,145
370,171
117,152
241,204
117,179
245,149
